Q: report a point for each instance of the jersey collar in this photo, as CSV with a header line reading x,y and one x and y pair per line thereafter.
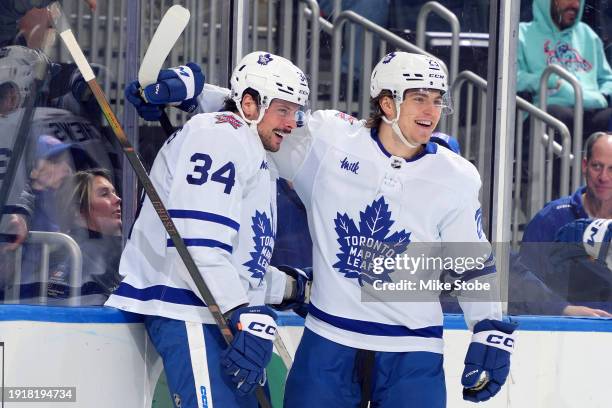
x,y
430,147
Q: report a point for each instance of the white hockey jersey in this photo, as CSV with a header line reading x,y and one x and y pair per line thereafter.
x,y
355,193
215,180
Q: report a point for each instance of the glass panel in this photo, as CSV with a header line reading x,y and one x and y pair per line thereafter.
x,y
62,168
558,268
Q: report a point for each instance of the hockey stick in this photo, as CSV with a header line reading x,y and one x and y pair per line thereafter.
x,y
61,24
168,31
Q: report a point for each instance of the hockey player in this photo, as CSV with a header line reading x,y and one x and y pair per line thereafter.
x,y
384,180
384,184
218,185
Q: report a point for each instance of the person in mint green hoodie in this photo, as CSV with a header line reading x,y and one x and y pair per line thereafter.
x,y
557,36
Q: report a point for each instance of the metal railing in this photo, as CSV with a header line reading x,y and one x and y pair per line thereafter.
x,y
578,114
453,21
369,29
465,135
49,241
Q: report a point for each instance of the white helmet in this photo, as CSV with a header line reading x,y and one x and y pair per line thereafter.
x,y
399,71
272,77
18,67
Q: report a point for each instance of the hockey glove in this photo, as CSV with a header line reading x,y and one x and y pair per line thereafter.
x,y
147,111
246,358
179,86
487,362
297,291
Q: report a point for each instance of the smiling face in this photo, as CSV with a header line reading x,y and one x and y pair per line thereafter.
x,y
598,170
104,210
419,114
277,123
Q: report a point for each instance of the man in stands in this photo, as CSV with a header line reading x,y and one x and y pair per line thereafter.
x,y
591,201
557,36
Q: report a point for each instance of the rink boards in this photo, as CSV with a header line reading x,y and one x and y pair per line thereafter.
x,y
105,355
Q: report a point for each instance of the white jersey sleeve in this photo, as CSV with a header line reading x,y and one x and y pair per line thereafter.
x,y
276,281
464,239
212,98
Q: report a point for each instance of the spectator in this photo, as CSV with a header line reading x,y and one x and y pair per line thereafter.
x,y
94,216
31,18
591,201
40,208
557,36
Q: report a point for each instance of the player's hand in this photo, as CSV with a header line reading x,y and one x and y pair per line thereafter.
x,y
147,111
297,291
487,362
573,310
246,358
17,226
179,86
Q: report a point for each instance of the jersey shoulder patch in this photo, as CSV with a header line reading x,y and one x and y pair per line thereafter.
x,y
228,118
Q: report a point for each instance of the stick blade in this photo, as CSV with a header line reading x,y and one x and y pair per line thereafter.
x,y
169,30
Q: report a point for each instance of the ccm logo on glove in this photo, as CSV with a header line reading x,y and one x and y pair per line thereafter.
x,y
259,325
496,339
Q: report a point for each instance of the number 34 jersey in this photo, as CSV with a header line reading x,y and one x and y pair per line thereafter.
x,y
214,178
362,203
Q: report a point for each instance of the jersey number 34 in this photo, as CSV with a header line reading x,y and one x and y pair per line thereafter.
x,y
226,174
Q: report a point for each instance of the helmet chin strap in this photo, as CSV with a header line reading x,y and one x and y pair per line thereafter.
x,y
396,129
252,123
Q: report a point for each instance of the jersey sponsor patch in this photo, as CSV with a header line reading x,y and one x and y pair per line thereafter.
x,y
353,167
372,238
263,238
229,118
346,117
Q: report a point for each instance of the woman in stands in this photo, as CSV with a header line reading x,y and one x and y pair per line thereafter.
x,y
95,224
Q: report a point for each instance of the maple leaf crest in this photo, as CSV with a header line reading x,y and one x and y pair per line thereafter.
x,y
264,59
388,58
372,239
263,239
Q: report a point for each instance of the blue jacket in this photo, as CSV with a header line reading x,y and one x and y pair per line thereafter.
x,y
533,268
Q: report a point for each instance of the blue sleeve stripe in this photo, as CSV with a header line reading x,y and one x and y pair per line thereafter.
x,y
374,328
202,242
205,216
160,292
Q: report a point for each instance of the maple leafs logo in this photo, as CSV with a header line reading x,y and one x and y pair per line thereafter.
x,y
264,59
263,238
388,58
359,246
